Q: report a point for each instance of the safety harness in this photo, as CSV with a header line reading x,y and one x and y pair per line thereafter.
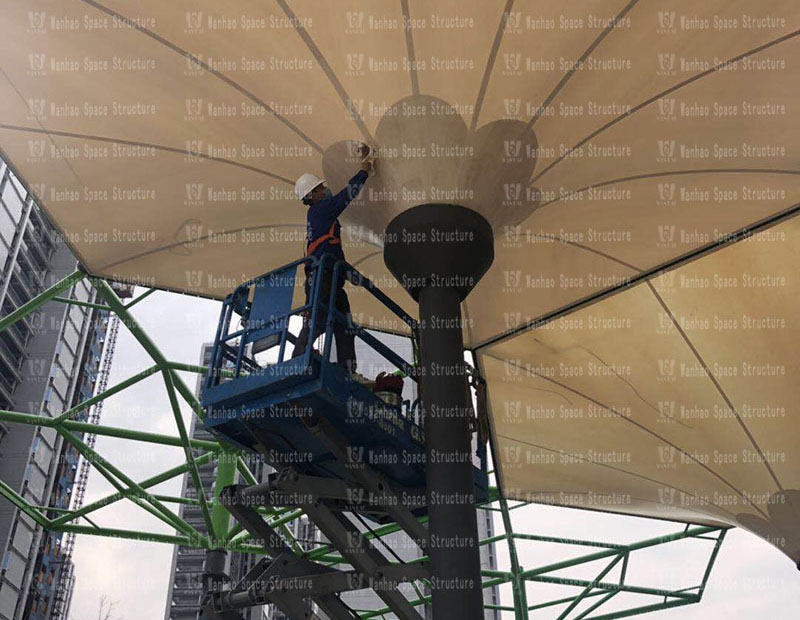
x,y
334,240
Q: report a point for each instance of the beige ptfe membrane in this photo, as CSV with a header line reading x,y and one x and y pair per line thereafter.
x,y
606,141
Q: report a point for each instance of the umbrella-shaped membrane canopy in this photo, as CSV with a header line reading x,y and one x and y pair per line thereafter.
x,y
608,143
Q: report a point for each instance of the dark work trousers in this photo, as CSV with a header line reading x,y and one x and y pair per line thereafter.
x,y
345,339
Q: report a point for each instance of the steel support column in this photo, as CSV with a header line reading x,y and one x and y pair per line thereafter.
x,y
438,253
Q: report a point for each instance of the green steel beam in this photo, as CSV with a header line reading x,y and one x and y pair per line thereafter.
x,y
216,528
139,376
420,600
619,614
141,297
712,560
287,518
520,596
226,476
245,472
83,304
588,588
44,509
114,476
23,504
605,589
105,471
106,431
145,484
115,303
650,542
42,298
172,499
289,537
201,370
583,583
604,599
643,609
498,607
185,541
192,401
277,519
561,601
567,541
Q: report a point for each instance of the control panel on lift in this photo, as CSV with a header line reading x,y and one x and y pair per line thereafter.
x,y
306,414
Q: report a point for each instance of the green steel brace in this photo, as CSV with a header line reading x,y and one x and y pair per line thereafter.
x,y
20,502
217,526
230,462
518,581
139,376
141,297
117,478
146,484
226,476
108,431
42,298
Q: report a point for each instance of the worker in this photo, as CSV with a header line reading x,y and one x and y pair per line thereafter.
x,y
323,236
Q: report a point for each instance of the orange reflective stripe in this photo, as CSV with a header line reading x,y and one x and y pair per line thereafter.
x,y
330,236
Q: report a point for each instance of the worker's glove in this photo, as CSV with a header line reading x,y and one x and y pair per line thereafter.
x,y
367,154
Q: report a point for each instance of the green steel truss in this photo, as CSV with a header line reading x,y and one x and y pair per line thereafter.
x,y
582,599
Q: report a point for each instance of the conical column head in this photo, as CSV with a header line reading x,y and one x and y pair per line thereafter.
x,y
440,245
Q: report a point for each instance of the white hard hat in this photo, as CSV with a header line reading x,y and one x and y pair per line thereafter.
x,y
305,184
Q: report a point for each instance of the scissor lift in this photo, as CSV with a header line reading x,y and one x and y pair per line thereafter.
x,y
335,445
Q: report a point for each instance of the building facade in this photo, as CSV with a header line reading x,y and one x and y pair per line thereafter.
x,y
50,592
48,363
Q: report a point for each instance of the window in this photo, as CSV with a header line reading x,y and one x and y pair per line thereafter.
x,y
7,227
13,201
48,435
42,455
78,315
18,185
67,361
23,539
15,568
60,380
35,481
81,291
8,600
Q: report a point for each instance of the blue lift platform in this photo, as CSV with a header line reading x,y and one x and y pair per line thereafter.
x,y
322,431
340,452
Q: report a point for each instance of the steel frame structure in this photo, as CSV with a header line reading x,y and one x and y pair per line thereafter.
x,y
588,602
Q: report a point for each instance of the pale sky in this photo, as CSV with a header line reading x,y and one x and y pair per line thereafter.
x,y
750,578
